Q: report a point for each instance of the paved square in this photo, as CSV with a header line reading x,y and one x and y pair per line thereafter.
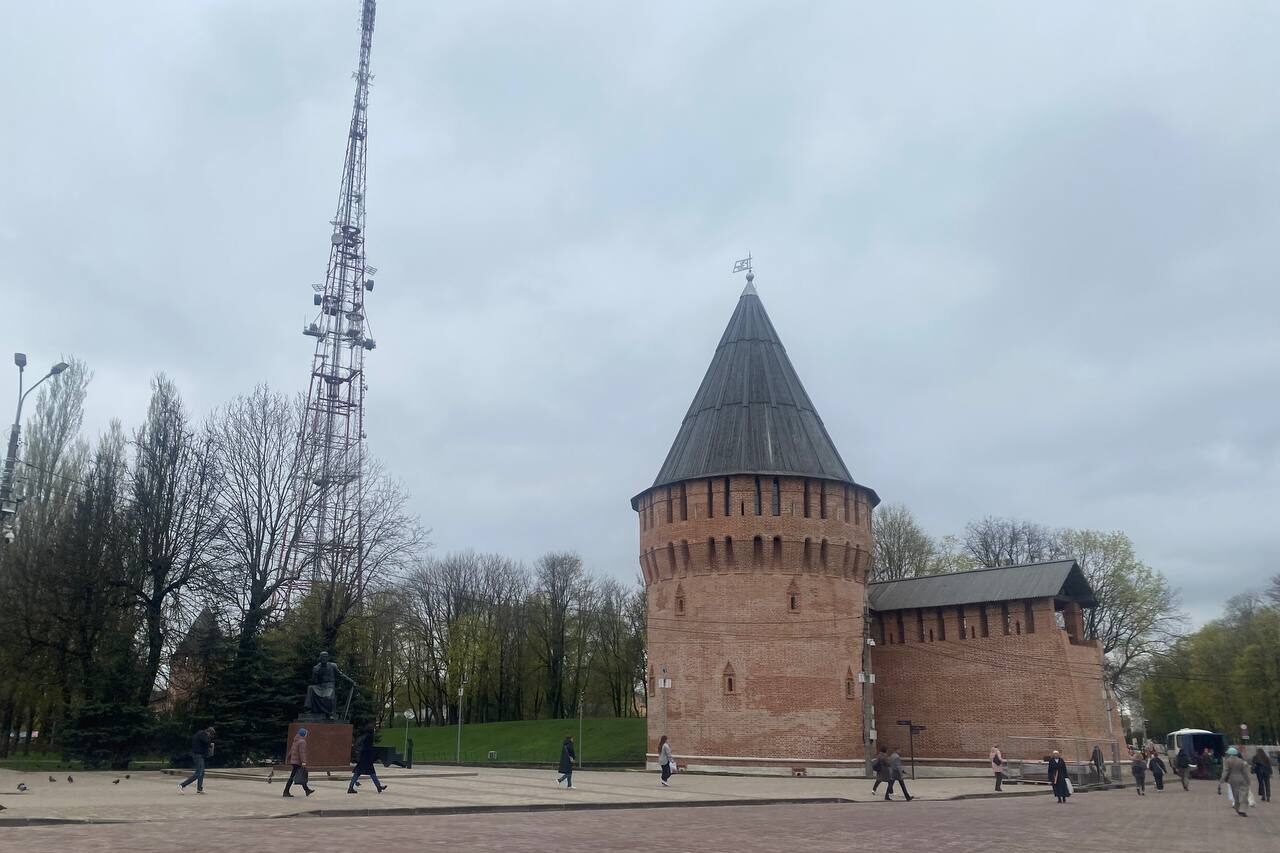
x,y
1111,820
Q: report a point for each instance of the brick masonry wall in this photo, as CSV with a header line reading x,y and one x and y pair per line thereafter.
x,y
972,693
720,590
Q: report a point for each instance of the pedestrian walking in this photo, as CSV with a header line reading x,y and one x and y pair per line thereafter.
x,y
895,775
1138,767
567,757
297,760
997,766
1236,774
1098,763
364,763
201,748
880,764
665,762
1262,769
1157,767
1057,775
1182,766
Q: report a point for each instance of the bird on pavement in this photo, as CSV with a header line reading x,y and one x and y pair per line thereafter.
x,y
22,787
126,775
328,773
69,779
271,775
51,779
115,781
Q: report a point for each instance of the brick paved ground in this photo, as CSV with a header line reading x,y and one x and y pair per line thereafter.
x,y
1171,821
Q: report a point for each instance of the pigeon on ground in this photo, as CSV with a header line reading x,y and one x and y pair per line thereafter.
x,y
51,779
126,775
271,775
115,781
69,779
328,773
2,808
22,787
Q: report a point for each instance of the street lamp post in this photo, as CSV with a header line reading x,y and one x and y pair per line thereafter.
x,y
9,506
408,715
461,689
582,698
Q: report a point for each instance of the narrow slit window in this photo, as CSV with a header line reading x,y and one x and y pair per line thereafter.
x,y
942,625
823,552
902,629
684,503
850,685
777,497
679,600
846,504
1004,618
982,620
1029,615
728,550
808,553
727,679
712,559
759,499
684,553
727,498
806,498
671,556
822,500
711,502
793,597
757,551
920,625
962,622
671,502
777,550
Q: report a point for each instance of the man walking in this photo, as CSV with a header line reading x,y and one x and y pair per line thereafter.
x,y
895,775
1182,766
201,748
881,767
297,759
567,757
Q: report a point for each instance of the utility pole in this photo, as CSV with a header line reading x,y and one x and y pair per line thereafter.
x,y
461,690
867,678
582,698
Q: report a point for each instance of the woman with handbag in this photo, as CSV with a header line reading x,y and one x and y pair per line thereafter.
x,y
665,762
997,766
1057,775
1236,774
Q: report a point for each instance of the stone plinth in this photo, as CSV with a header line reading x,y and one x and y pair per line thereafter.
x,y
328,744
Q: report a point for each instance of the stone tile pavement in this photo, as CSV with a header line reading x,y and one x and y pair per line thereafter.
x,y
1173,821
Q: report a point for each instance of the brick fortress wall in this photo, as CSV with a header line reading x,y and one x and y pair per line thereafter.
x,y
980,675
755,611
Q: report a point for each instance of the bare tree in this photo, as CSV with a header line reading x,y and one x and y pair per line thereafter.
x,y
1010,542
172,490
561,583
902,549
254,447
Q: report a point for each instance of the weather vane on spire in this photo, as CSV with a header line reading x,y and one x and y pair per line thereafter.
x,y
744,265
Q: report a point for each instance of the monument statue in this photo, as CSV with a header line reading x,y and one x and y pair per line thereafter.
x,y
322,702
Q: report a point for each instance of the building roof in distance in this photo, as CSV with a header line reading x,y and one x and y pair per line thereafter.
x,y
1060,579
751,414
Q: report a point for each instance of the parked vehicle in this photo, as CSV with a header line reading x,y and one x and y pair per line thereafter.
x,y
1194,742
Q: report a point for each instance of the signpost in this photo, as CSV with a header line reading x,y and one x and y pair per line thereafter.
x,y
1244,733
912,731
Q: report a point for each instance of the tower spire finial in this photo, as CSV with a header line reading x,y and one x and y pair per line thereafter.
x,y
745,265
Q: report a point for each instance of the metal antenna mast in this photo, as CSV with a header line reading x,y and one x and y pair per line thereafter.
x,y
328,528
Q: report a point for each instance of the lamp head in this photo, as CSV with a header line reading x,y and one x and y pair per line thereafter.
x,y
58,368
20,359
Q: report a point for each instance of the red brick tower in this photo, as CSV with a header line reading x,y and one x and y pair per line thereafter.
x,y
755,542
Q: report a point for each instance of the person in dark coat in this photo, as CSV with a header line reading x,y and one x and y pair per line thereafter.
x,y
201,748
1182,766
895,775
1262,769
1057,775
1139,769
1157,767
1098,763
567,757
880,764
364,763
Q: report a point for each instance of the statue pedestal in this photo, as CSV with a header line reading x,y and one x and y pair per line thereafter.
x,y
328,744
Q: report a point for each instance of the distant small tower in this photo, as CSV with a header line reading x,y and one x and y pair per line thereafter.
x,y
755,542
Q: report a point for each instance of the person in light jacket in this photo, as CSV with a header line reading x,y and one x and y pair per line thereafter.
x,y
567,757
895,775
997,766
665,762
1057,776
1235,772
297,760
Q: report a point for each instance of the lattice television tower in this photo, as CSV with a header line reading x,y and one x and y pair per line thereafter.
x,y
328,528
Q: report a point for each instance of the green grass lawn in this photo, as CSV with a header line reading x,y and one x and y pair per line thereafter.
x,y
606,740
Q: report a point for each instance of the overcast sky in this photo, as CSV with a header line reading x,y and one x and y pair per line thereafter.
x,y
1022,255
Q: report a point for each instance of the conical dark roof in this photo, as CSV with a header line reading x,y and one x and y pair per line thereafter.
x,y
751,414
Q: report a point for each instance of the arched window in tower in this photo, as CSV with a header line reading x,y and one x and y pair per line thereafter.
x,y
713,560
671,502
850,684
728,498
684,503
711,501
823,553
727,679
846,504
728,551
777,551
671,557
777,497
822,500
793,597
757,551
806,497
759,498
679,599
807,558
